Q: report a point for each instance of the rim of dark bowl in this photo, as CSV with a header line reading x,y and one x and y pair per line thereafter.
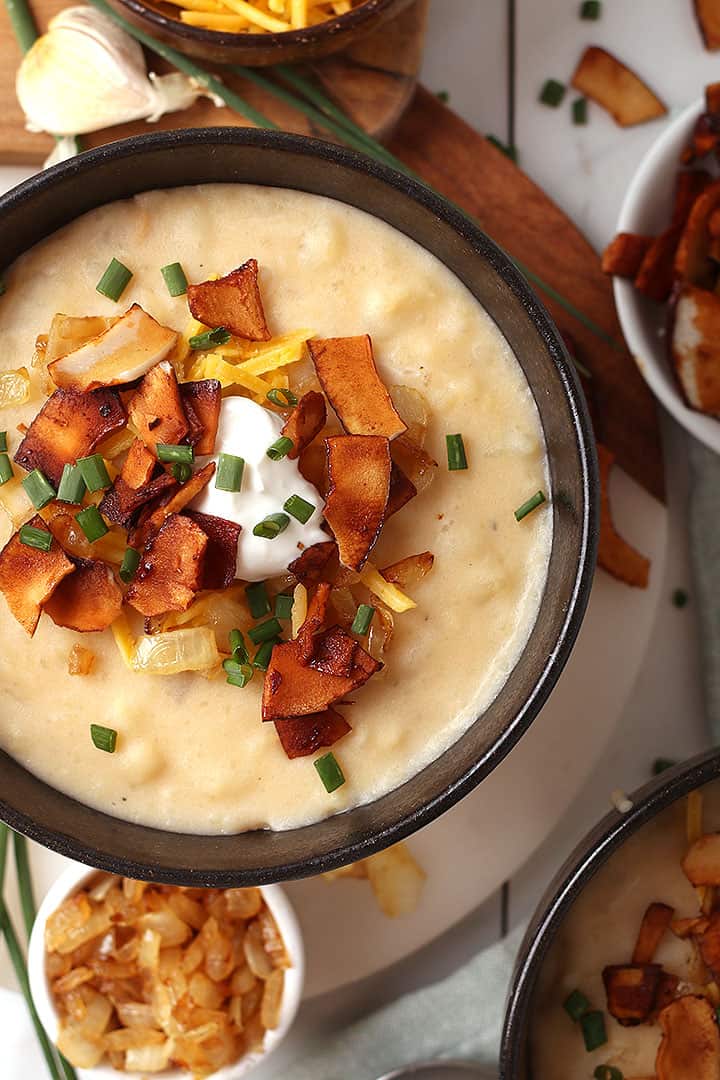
x,y
321,33
73,172
587,858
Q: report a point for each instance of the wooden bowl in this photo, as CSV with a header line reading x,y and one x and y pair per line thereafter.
x,y
258,50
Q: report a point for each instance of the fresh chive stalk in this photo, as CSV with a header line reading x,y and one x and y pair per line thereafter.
x,y
299,508
104,738
32,537
531,504
94,472
22,867
72,485
208,338
38,489
181,471
271,526
283,606
261,659
265,631
174,278
91,522
6,469
170,452
229,474
129,565
456,457
280,448
114,281
552,93
329,772
284,399
257,599
363,618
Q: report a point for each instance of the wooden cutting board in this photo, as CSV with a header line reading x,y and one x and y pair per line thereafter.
x,y
376,83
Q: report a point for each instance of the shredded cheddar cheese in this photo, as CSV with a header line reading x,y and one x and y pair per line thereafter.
x,y
124,640
390,595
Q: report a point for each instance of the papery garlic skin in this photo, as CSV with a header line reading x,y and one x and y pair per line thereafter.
x,y
86,73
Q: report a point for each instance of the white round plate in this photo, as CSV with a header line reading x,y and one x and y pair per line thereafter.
x,y
484,840
647,209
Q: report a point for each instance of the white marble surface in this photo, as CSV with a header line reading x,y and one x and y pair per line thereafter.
x,y
586,171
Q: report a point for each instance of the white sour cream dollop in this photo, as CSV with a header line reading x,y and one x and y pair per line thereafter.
x,y
247,430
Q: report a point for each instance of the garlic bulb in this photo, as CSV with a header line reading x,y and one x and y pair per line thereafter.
x,y
86,73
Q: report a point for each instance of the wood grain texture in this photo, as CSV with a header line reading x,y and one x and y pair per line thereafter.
x,y
374,81
516,213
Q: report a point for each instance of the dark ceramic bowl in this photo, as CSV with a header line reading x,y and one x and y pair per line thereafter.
x,y
576,873
258,50
44,203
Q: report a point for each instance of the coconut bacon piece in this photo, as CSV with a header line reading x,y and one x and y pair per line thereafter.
x,y
181,498
346,369
695,347
305,422
690,1047
232,301
654,925
202,400
316,613
402,490
614,553
303,735
69,426
707,13
359,476
606,80
156,410
170,571
702,862
88,600
309,567
128,349
28,577
139,465
292,688
624,254
120,503
631,990
220,564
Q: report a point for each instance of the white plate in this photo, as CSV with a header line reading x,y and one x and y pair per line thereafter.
x,y
484,840
647,209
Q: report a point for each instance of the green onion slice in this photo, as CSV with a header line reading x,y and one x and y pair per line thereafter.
x,y
257,599
284,399
114,281
94,472
105,738
238,647
283,606
38,489
329,772
593,1029
261,659
265,631
271,526
576,1005
229,474
238,674
91,522
280,448
456,453
679,598
3,442
208,338
362,620
552,93
531,504
72,485
169,452
181,471
661,764
174,277
32,537
129,565
579,111
590,9
6,469
299,508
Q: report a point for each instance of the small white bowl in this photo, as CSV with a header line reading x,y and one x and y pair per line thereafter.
x,y
77,876
646,209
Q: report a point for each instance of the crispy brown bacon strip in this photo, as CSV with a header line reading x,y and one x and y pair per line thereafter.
x,y
29,577
232,301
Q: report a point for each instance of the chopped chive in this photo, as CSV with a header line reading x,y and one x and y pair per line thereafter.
x,y
35,538
94,472
105,738
531,504
283,606
169,452
6,469
174,277
593,1029
208,338
661,764
607,1072
579,111
590,9
38,489
261,659
552,93
362,620
284,399
181,471
576,1005
257,599
299,508
265,631
679,598
329,772
271,526
238,674
72,485
456,453
114,281
442,95
3,442
229,475
504,148
129,565
91,522
237,647
280,448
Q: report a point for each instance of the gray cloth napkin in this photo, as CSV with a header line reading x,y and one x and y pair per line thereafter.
x,y
459,1017
705,561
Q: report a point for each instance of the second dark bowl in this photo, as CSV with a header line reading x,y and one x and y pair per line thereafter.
x,y
55,197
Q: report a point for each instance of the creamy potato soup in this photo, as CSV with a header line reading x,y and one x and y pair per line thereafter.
x,y
602,929
192,751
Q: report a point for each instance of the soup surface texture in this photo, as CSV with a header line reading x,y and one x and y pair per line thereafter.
x,y
193,753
